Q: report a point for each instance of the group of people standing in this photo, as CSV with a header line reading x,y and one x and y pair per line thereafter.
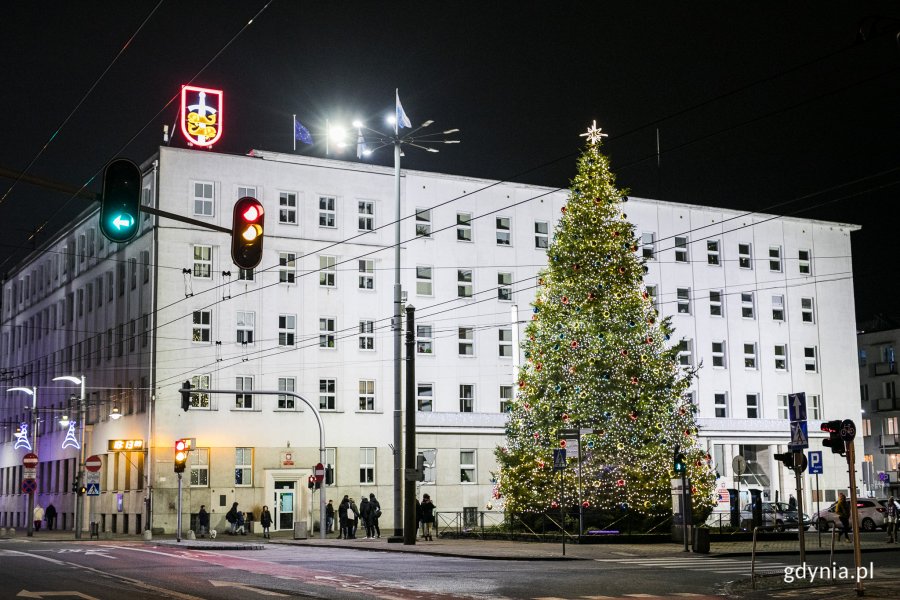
x,y
349,514
40,514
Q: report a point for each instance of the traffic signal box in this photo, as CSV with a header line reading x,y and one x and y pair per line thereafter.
x,y
186,396
120,201
182,448
247,232
679,463
834,441
787,458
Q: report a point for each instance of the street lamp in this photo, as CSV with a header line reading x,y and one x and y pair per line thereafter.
x,y
79,499
31,391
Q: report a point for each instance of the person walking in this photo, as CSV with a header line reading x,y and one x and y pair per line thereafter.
x,y
892,511
353,519
344,522
231,516
427,516
365,514
329,517
50,516
38,516
265,519
240,523
375,514
202,521
792,503
843,512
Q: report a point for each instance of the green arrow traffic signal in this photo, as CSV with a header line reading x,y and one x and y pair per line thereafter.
x,y
120,202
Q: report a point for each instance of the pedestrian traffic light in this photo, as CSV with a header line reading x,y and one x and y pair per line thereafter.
x,y
787,458
181,455
834,441
420,467
679,463
313,483
120,201
185,396
329,475
247,232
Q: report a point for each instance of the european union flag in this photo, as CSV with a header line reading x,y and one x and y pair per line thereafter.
x,y
302,133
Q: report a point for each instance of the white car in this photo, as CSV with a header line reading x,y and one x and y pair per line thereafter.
x,y
871,515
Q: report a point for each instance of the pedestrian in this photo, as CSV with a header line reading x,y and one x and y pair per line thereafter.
x,y
202,521
418,517
375,514
365,514
38,516
344,522
265,519
353,518
427,516
329,517
50,516
792,503
843,512
231,517
890,519
240,523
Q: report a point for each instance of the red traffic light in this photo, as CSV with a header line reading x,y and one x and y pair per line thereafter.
x,y
248,226
181,455
831,426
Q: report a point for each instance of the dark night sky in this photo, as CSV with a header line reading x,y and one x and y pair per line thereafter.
x,y
812,109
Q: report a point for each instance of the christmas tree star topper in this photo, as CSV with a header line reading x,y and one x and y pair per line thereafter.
x,y
593,134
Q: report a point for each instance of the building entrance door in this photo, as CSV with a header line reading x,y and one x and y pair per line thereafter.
x,y
284,505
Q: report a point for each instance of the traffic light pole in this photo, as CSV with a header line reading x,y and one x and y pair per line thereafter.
x,y
854,514
684,510
798,458
178,518
409,443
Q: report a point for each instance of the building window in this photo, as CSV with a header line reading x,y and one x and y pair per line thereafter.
x,y
245,274
712,252
685,353
327,394
813,407
423,281
246,322
464,283
199,459
327,214
745,261
463,227
367,274
286,384
721,405
425,396
684,300
467,466
864,392
366,215
423,222
367,335
244,192
203,262
287,330
648,245
327,271
466,336
504,286
747,305
424,339
200,382
653,295
287,267
810,362
775,259
145,263
541,234
506,396
750,355
778,307
805,262
681,249
505,338
430,455
366,394
807,312
132,273
752,406
503,231
327,327
718,354
715,303
202,331
367,465
466,398
780,357
203,199
243,399
863,360
783,406
243,467
287,208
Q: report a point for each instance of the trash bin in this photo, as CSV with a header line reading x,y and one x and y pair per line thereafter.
x,y
300,530
701,540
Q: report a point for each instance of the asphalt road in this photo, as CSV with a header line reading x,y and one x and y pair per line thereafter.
x,y
138,571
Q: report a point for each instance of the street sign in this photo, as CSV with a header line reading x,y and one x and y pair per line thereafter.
x,y
799,436
815,463
848,430
320,472
30,460
572,449
29,473
800,462
568,433
93,463
92,477
559,459
29,486
93,489
797,406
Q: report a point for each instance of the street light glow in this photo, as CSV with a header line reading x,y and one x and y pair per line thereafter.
x,y
358,124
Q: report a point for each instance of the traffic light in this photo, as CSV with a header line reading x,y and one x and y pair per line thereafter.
x,y
186,396
78,488
247,232
787,458
329,475
120,202
834,441
679,463
420,467
312,483
181,455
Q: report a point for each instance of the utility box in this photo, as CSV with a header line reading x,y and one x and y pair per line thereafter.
x,y
300,530
701,540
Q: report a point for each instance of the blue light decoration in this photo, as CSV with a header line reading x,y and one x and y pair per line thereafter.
x,y
22,438
70,441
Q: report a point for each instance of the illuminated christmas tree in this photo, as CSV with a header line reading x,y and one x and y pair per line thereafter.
x,y
598,357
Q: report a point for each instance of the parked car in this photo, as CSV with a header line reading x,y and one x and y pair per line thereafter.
x,y
776,516
871,515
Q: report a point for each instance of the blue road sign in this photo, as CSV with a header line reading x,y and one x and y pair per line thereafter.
x,y
797,406
799,436
93,489
559,459
815,463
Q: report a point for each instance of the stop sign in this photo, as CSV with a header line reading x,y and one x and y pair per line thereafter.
x,y
30,460
320,472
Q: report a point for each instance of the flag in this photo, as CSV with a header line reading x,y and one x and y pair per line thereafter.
x,y
402,119
360,144
301,133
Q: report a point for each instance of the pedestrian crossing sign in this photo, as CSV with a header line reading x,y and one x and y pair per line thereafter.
x,y
93,489
559,459
799,436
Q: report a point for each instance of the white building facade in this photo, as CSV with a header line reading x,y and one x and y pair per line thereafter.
x,y
760,304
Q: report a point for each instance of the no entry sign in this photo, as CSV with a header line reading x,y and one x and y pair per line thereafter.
x,y
30,460
93,463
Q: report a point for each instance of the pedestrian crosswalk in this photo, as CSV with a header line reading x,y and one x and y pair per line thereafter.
x,y
725,566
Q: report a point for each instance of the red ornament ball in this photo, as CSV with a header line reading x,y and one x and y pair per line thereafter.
x,y
633,415
649,340
554,504
621,270
586,504
634,381
574,344
624,352
564,300
563,210
616,233
541,464
565,417
620,483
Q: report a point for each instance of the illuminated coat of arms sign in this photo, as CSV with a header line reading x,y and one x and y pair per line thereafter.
x,y
201,115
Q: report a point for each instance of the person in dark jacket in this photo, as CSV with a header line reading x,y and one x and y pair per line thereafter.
x,y
352,519
265,519
50,515
427,517
365,514
344,522
232,516
202,521
375,514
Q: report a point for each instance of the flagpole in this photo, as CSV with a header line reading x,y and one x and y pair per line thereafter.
x,y
295,131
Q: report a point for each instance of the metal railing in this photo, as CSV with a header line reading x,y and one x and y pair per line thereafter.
x,y
468,522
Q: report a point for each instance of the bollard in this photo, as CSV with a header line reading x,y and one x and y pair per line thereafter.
x,y
191,535
148,535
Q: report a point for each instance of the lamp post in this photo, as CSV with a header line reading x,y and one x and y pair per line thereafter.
x,y
79,498
31,391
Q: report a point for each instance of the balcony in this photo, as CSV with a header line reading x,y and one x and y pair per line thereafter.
x,y
886,404
882,368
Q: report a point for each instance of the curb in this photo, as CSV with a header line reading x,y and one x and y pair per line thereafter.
x,y
454,554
